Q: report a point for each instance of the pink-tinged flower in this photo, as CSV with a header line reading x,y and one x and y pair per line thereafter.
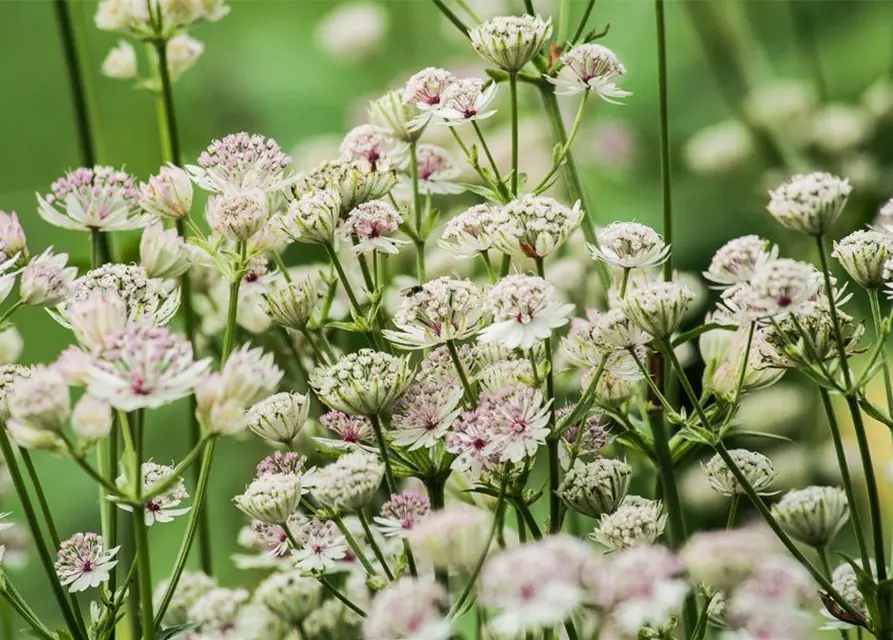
x,y
423,415
454,537
72,364
402,513
409,609
242,163
83,562
525,310
237,216
517,422
592,67
534,586
144,367
321,546
272,539
370,226
351,430
777,289
40,400
46,280
99,198
469,233
165,253
736,261
96,317
168,194
465,100
368,144
426,88
249,375
12,235
437,171
163,507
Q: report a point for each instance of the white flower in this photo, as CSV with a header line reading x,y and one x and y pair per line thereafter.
x,y
168,194
756,467
354,181
468,234
114,15
592,67
454,537
120,61
92,419
272,497
510,42
637,521
465,100
720,149
524,310
11,345
864,254
39,401
370,226
12,236
630,245
242,163
83,562
658,307
409,609
813,515
321,545
98,198
350,482
46,280
280,417
533,226
426,88
182,53
362,383
777,289
237,216
397,118
597,487
369,144
163,507
313,217
422,416
809,202
290,596
736,261
164,253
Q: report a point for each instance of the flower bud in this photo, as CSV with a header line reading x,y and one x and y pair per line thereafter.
x,y
46,280
164,253
40,401
280,417
454,537
864,254
11,344
291,304
192,586
813,515
350,482
120,62
272,497
182,53
510,42
12,235
362,383
658,307
756,467
596,488
637,521
92,419
290,596
810,202
399,118
169,194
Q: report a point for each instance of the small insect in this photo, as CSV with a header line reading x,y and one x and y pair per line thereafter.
x,y
409,292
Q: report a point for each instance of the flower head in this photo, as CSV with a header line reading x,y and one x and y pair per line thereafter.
x,y
313,217
592,67
864,254
192,586
164,253
441,310
533,226
237,216
350,482
410,609
99,198
370,225
367,143
723,559
736,261
271,497
182,52
350,429
164,506
46,280
321,545
658,307
167,194
402,513
242,163
510,42
120,62
777,289
813,515
143,366
396,117
290,596
39,400
280,417
437,171
83,562
637,521
362,383
809,202
91,420
596,488
469,233
12,235
525,311
465,100
144,299
454,537
291,304
425,88
756,467
422,416
355,182
630,245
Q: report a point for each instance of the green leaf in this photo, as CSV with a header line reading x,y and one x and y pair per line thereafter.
x,y
700,629
759,434
682,338
485,192
498,75
171,632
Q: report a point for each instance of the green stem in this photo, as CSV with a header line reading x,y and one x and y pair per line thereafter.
x,y
144,576
733,511
230,333
513,89
342,276
75,82
417,212
351,542
41,498
486,147
506,265
666,192
340,596
524,510
436,494
376,549
21,607
582,26
667,349
452,17
566,147
470,395
167,120
191,527
383,451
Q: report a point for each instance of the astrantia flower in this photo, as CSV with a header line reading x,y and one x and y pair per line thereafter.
x,y
350,429
272,539
630,245
756,467
92,419
279,462
144,299
533,226
39,400
422,416
846,582
96,317
163,507
350,482
588,342
12,236
809,202
591,66
249,375
864,254
469,233
506,373
720,149
272,497
534,586
165,253
291,304
313,217
465,100
596,488
425,88
637,521
443,309
454,537
216,612
736,261
83,562
525,311
594,436
120,62
290,596
369,144
237,216
619,381
144,367
321,545
370,226
409,609
401,513
168,194
510,42
242,163
723,372
517,423
437,171
192,586
99,198
396,117
280,417
355,181
182,52
46,280
813,515
72,364
658,307
779,288
723,559
362,383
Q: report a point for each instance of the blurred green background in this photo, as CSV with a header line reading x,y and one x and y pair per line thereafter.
x,y
266,70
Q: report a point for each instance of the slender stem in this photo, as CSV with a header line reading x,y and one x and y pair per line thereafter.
x,y
342,276
486,147
506,265
41,498
733,511
177,473
436,493
566,147
670,354
75,82
470,395
383,450
563,19
524,510
513,89
230,333
167,119
666,192
340,596
582,26
452,17
779,532
878,334
140,535
417,211
376,549
16,602
491,275
351,542
191,527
